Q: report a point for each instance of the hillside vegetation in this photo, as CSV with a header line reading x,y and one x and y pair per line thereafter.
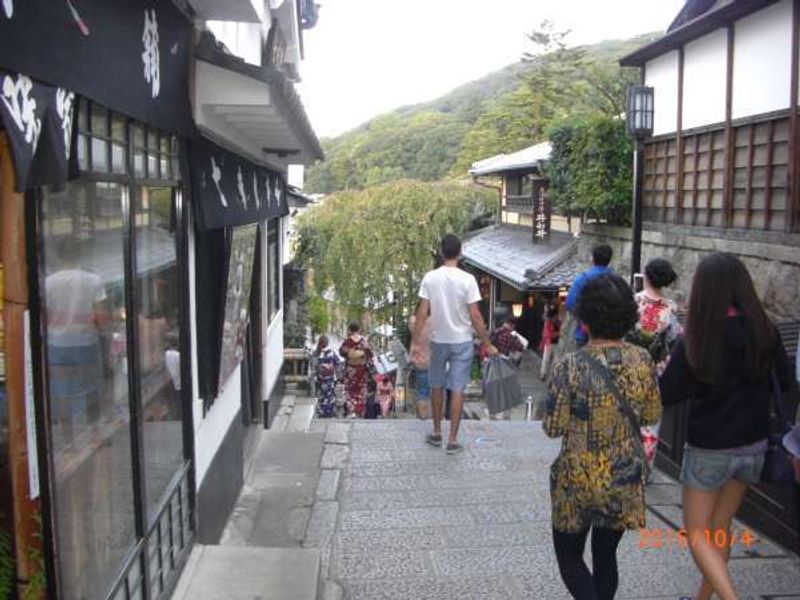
x,y
502,112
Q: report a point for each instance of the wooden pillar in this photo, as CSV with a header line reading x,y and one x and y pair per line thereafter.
x,y
727,186
792,214
15,303
679,145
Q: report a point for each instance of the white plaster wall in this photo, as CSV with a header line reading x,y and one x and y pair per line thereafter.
x,y
273,353
242,39
286,240
705,64
662,75
212,429
272,334
762,61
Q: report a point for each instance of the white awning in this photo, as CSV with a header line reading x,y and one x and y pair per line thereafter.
x,y
252,110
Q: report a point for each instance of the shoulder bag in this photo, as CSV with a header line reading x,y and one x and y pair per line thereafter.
x,y
622,403
778,464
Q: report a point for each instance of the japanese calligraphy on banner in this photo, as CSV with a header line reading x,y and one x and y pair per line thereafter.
x,y
228,190
131,56
38,119
541,220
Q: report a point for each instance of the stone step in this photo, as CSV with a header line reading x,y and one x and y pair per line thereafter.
x,y
245,573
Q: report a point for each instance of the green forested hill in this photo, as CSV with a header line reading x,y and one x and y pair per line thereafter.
x,y
501,112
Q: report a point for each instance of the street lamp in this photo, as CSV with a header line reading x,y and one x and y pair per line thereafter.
x,y
639,126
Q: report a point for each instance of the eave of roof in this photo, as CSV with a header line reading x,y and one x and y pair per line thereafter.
x,y
509,255
527,159
285,97
698,27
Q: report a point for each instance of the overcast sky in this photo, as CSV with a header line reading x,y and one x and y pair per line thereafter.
x,y
367,57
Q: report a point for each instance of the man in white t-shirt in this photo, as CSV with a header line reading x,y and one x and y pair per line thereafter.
x,y
451,295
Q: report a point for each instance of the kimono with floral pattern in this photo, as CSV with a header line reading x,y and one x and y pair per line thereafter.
x,y
327,367
357,355
598,477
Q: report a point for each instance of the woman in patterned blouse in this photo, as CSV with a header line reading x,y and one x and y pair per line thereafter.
x,y
597,481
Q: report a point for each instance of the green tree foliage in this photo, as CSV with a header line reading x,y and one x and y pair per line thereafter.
x,y
560,82
318,315
373,246
590,168
391,147
508,125
502,112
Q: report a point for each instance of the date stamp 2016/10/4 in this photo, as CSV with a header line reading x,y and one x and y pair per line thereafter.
x,y
669,539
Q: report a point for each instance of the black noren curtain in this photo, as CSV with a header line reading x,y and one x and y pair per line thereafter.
x,y
209,266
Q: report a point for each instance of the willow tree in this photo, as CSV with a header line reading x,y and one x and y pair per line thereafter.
x,y
371,247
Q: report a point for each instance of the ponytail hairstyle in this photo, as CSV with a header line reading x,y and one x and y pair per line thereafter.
x,y
322,343
722,282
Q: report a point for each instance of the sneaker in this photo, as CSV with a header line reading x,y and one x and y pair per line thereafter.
x,y
434,440
454,448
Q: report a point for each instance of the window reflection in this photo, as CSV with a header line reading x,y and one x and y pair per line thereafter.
x,y
87,375
157,299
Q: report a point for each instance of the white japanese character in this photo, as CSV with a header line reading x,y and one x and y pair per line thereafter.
x,y
64,101
255,191
21,107
278,193
242,195
216,175
8,7
150,56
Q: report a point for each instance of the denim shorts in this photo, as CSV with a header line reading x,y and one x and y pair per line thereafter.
x,y
709,470
450,365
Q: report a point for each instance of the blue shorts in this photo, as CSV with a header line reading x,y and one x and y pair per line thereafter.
x,y
709,470
450,365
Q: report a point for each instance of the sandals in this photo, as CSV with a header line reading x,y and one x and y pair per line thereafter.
x,y
434,440
454,448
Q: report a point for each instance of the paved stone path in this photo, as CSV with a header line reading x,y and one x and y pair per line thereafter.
x,y
394,518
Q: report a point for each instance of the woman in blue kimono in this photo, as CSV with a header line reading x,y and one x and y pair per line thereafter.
x,y
327,362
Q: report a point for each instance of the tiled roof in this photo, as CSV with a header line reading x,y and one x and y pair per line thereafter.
x,y
509,254
527,158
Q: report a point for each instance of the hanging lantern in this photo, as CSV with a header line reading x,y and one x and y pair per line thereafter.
x,y
516,309
639,115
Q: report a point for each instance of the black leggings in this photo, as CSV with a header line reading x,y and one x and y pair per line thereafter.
x,y
583,585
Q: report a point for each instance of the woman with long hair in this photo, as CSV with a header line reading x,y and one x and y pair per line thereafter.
x,y
724,365
598,399
327,364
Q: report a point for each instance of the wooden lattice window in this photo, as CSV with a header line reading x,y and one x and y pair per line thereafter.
x,y
760,171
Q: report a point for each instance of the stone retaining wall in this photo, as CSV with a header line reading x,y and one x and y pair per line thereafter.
x,y
772,259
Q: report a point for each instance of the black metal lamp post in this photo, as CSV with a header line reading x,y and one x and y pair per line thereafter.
x,y
639,126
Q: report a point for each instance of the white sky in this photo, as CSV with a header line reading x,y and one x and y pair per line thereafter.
x,y
367,57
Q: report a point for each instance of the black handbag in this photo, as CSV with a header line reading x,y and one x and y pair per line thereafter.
x,y
778,468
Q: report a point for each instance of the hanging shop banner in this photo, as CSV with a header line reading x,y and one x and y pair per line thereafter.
x,y
237,300
38,119
229,190
128,55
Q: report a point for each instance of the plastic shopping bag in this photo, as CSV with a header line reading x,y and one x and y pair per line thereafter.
x,y
500,385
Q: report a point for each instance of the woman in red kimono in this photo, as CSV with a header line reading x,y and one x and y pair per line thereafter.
x,y
357,353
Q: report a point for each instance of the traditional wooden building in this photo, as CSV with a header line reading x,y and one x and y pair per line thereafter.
x,y
522,261
722,172
143,155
